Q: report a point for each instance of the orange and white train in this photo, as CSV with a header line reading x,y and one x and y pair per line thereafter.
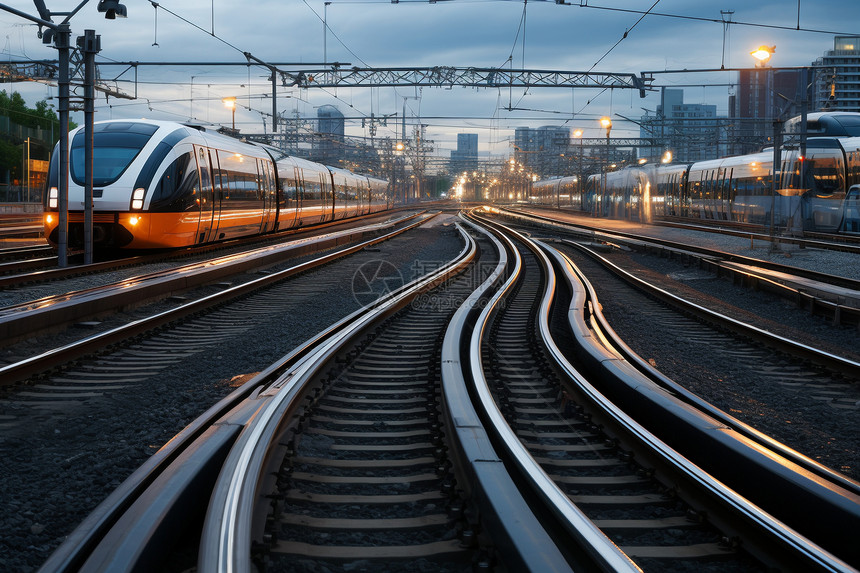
x,y
159,184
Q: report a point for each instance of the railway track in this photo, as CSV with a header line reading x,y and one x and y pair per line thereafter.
x,y
29,266
643,516
366,476
310,454
726,349
161,375
762,490
835,297
54,311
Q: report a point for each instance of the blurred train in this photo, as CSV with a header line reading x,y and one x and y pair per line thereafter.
x,y
818,192
159,184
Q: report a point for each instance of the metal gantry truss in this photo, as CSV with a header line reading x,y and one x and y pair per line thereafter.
x,y
47,71
344,76
448,76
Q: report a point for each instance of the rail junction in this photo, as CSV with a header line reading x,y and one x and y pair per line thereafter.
x,y
483,415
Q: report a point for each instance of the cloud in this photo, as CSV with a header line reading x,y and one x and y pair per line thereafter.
x,y
414,34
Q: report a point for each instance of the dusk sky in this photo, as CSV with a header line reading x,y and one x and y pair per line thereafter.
x,y
583,36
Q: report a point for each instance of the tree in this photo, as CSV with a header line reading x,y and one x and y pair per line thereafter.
x,y
41,117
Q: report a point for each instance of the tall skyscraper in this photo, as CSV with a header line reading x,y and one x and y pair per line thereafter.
x,y
689,130
837,76
541,149
330,133
465,157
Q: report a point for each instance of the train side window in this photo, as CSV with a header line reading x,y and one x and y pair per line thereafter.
x,y
177,190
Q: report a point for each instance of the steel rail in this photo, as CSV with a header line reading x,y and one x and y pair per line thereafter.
x,y
778,538
827,359
35,364
841,306
30,318
617,344
524,541
595,232
123,532
603,551
51,274
227,533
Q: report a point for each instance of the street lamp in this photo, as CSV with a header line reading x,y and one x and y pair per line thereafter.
x,y
230,103
325,32
578,135
606,123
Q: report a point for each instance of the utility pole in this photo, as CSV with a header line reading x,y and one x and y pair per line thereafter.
x,y
61,42
90,45
325,33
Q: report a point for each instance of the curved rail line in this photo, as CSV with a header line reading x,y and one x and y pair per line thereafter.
x,y
633,240
47,360
738,451
152,508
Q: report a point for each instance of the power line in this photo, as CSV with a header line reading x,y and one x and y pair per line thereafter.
x,y
624,36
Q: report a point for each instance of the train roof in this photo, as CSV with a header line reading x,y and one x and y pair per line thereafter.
x,y
828,123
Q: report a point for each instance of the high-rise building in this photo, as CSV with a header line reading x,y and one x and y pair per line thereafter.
x,y
837,77
763,95
690,131
465,157
330,133
541,149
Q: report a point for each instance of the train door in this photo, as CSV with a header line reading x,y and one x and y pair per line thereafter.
x,y
300,196
219,184
268,195
684,194
208,222
327,206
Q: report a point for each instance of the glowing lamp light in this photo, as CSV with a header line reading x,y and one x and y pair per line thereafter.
x,y
134,221
49,219
763,53
230,103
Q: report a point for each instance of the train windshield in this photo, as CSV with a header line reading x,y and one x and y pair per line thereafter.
x,y
115,145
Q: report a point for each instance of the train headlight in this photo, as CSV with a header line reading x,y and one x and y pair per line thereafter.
x,y
53,198
134,221
137,198
49,219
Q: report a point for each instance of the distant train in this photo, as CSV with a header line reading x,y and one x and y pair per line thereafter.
x,y
818,192
160,184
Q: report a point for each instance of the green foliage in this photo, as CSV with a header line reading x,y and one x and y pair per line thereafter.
x,y
10,160
15,108
11,147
